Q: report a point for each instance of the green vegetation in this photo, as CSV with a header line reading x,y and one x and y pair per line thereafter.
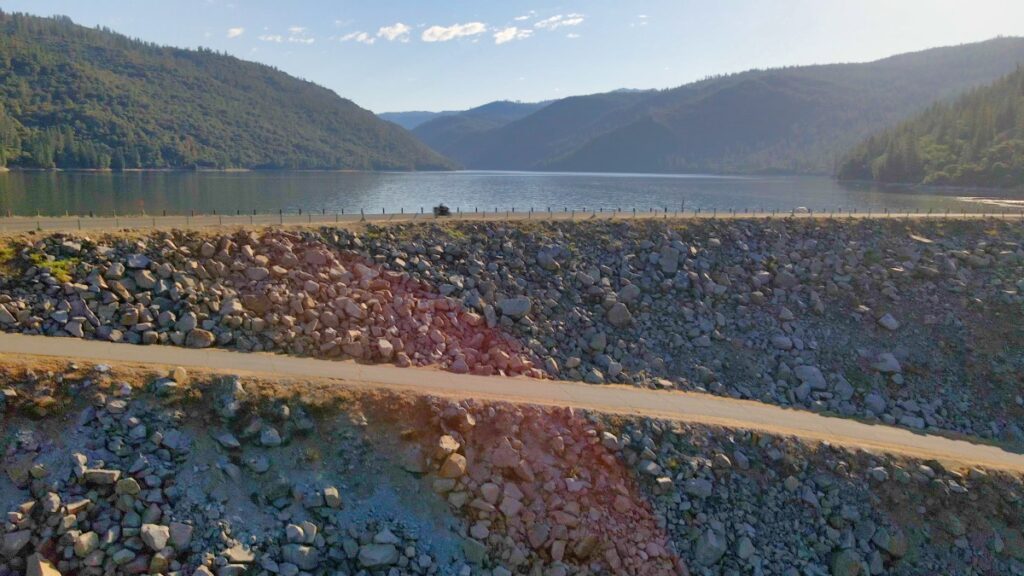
x,y
75,97
791,120
976,141
59,268
7,255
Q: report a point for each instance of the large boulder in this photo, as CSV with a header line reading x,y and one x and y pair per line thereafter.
x,y
377,555
812,376
516,307
619,316
709,548
848,563
199,338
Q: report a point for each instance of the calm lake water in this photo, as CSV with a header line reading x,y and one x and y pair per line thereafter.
x,y
55,193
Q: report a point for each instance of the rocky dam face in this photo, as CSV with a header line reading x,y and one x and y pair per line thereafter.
x,y
144,469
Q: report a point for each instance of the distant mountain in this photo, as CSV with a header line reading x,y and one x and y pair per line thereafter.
x,y
500,110
412,119
978,140
457,133
76,97
797,119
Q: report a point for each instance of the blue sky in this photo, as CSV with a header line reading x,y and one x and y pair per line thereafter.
x,y
453,54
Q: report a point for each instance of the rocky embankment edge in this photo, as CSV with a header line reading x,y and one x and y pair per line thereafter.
x,y
125,471
906,322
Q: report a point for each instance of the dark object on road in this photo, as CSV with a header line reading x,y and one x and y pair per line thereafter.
x,y
442,210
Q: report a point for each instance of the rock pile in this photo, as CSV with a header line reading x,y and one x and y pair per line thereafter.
x,y
743,503
299,293
136,488
908,323
538,489
232,477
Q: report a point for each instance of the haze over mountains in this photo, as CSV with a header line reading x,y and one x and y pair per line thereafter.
x,y
77,97
794,120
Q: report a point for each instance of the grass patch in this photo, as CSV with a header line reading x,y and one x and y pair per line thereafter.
x,y
59,268
7,254
455,233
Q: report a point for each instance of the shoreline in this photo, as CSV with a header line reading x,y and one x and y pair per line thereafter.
x,y
929,187
17,225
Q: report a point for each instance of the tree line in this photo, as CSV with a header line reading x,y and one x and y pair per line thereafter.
x,y
78,97
977,140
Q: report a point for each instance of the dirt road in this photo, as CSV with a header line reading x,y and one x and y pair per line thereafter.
x,y
690,407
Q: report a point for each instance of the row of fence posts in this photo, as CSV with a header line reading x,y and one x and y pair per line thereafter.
x,y
572,212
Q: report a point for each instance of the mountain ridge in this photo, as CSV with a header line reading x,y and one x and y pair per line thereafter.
x,y
77,97
795,119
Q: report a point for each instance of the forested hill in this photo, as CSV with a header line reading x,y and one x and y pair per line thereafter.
x,y
76,97
977,140
797,119
456,134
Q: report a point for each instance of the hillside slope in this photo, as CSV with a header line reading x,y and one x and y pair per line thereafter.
x,y
976,141
798,119
413,118
459,133
76,97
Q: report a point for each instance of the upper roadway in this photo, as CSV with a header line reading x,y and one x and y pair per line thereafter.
x,y
13,225
673,405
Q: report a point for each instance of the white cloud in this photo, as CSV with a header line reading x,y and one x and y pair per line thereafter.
x,y
511,33
276,38
396,31
572,35
526,16
296,35
361,37
446,33
559,21
235,32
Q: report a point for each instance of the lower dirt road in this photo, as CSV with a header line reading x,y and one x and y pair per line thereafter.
x,y
690,407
